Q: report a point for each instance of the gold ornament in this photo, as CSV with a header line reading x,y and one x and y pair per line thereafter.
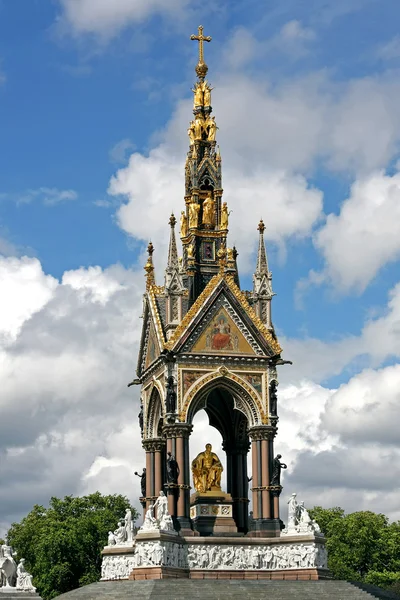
x,y
194,209
224,216
184,224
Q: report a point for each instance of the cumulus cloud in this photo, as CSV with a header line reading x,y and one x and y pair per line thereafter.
x,y
364,236
106,19
390,50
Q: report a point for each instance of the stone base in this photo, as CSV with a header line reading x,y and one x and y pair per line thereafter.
x,y
162,555
292,575
140,574
212,513
266,528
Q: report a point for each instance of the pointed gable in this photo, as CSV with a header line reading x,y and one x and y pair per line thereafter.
x,y
223,306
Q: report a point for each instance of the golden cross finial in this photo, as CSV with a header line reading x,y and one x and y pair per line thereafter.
x,y
201,68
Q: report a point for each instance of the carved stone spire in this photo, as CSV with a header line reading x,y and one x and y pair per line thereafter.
x,y
262,281
262,263
173,260
149,267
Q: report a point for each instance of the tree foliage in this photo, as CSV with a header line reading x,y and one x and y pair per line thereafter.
x,y
362,546
62,544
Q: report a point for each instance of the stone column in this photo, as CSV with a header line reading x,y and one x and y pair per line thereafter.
x,y
154,472
178,440
266,524
237,482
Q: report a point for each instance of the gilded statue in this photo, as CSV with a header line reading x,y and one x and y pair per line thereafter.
x,y
194,209
190,252
191,133
184,224
207,470
212,129
198,127
224,216
208,210
198,95
207,94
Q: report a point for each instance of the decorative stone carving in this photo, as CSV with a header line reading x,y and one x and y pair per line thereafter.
x,y
299,520
117,567
294,556
150,523
12,577
160,553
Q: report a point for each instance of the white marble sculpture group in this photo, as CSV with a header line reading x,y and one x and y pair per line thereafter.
x,y
13,576
215,557
163,521
123,535
299,521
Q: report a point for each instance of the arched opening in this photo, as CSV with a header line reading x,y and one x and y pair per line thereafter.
x,y
218,402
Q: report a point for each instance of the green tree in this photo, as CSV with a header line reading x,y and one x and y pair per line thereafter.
x,y
62,544
362,546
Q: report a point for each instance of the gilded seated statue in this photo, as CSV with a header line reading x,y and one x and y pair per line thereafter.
x,y
207,470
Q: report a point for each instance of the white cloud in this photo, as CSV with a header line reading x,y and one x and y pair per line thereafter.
x,y
390,50
118,153
365,235
45,195
107,18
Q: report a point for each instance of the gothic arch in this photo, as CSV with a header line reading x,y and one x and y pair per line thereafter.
x,y
246,399
154,413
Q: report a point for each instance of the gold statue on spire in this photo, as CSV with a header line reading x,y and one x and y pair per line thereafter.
x,y
201,68
149,267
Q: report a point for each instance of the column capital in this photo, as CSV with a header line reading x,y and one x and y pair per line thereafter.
x,y
262,432
175,430
153,445
236,447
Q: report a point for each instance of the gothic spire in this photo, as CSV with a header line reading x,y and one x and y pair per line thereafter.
x,y
173,261
149,267
262,281
262,263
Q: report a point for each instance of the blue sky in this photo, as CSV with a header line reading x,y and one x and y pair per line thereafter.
x,y
94,104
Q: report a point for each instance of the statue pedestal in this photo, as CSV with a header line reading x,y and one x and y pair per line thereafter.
x,y
212,513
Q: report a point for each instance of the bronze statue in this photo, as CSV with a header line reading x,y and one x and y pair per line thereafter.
x,y
224,216
170,400
141,419
207,470
194,209
184,224
273,398
208,210
142,481
172,469
277,467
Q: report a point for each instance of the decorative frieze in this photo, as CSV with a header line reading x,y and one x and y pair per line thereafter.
x,y
117,567
262,433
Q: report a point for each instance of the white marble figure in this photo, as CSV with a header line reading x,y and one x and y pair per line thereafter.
x,y
120,534
117,567
161,504
111,539
166,524
150,523
292,513
24,579
8,567
128,525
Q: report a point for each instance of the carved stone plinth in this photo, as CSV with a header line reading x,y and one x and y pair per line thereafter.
x,y
212,513
160,555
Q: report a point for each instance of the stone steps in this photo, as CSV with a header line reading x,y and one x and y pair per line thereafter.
x,y
172,589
